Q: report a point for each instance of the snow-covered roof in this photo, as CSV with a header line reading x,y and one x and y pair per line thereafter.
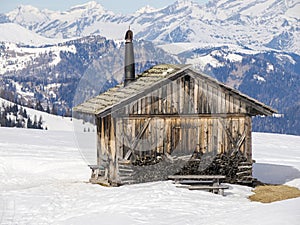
x,y
148,81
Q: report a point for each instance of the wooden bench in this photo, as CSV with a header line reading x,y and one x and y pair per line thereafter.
x,y
201,182
218,189
94,167
195,182
215,178
96,170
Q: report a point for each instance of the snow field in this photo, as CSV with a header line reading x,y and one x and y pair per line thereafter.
x,y
44,180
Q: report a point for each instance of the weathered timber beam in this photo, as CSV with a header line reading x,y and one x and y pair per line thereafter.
x,y
137,138
195,177
227,131
238,143
208,115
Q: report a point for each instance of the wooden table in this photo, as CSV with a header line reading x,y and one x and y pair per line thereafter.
x,y
201,182
215,178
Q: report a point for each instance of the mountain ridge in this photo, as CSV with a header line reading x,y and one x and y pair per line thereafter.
x,y
256,23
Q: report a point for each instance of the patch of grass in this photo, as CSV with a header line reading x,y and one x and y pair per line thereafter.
x,y
273,193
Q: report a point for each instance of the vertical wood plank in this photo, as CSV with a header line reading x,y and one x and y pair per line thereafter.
x,y
231,99
215,136
210,135
196,93
113,139
192,106
159,101
169,99
220,137
148,104
210,99
227,102
139,106
199,100
106,135
175,108
223,98
236,104
205,135
242,130
99,150
203,99
181,96
249,138
243,107
162,136
118,138
167,122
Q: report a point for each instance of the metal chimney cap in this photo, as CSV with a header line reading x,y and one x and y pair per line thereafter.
x,y
129,36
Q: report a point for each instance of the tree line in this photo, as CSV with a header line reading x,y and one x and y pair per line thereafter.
x,y
12,115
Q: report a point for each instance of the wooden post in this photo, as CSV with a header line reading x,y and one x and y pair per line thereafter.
x,y
249,138
103,137
168,104
181,96
191,95
196,94
99,150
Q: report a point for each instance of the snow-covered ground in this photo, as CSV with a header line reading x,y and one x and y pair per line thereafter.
x,y
44,180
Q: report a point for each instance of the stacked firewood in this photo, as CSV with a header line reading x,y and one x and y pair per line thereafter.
x,y
235,166
146,160
157,172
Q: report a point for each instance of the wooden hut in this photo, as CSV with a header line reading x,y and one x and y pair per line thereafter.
x,y
172,120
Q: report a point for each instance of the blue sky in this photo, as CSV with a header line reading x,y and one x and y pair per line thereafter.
x,y
119,6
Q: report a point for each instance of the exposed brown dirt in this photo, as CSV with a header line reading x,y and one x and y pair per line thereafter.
x,y
273,193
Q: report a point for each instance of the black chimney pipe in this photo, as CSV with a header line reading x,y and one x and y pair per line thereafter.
x,y
129,58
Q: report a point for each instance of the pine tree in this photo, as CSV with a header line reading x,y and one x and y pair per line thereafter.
x,y
8,122
19,123
40,123
15,109
29,122
54,110
2,119
35,123
39,106
48,109
25,114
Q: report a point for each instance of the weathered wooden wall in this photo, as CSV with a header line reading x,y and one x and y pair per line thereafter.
x,y
166,135
187,95
185,116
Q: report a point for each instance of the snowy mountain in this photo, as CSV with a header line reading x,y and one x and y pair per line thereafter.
x,y
44,180
250,45
3,19
256,24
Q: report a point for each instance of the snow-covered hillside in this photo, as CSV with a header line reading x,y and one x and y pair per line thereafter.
x,y
14,57
14,33
52,122
44,181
